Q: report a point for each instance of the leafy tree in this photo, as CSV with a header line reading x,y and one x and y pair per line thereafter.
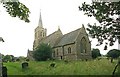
x,y
95,53
7,58
114,53
13,58
1,56
15,8
43,52
107,14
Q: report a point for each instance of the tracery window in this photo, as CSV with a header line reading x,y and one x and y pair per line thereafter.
x,y
53,53
83,45
57,52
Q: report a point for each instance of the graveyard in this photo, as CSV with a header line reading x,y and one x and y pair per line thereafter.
x,y
68,49
91,67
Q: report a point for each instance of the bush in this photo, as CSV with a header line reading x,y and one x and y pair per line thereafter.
x,y
95,53
43,52
114,53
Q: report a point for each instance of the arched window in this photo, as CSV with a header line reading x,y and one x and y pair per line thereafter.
x,y
35,35
53,53
41,34
57,52
69,50
83,45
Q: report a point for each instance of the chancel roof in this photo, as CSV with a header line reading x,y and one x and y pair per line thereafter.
x,y
57,39
68,38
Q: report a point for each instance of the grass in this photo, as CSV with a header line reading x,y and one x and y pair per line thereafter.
x,y
93,67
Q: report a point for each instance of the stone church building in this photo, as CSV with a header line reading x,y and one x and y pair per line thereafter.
x,y
74,45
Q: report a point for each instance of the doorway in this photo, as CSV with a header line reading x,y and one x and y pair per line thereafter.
x,y
61,57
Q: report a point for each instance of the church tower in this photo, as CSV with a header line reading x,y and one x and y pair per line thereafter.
x,y
40,33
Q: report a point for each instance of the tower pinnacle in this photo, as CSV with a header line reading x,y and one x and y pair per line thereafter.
x,y
58,27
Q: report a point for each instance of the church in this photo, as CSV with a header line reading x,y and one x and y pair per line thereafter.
x,y
74,45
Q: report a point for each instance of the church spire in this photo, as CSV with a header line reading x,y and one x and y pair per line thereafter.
x,y
40,20
58,27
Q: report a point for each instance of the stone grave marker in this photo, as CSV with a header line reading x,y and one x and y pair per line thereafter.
x,y
0,65
24,65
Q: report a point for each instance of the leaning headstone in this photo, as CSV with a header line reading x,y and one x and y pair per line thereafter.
x,y
24,65
52,64
0,65
4,71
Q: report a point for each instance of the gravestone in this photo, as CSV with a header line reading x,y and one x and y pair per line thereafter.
x,y
52,64
0,65
4,71
24,65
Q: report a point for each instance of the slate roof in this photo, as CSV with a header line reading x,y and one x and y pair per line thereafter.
x,y
52,38
68,38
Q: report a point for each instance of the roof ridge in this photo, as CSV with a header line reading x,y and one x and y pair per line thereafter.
x,y
72,31
51,34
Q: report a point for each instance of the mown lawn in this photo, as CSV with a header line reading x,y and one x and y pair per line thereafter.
x,y
93,67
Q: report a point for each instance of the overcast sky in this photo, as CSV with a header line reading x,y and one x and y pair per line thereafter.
x,y
19,36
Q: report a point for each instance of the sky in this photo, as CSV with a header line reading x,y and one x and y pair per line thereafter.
x,y
19,35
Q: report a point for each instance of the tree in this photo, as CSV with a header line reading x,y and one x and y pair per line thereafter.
x,y
13,58
114,53
107,14
1,56
43,52
95,53
15,8
7,58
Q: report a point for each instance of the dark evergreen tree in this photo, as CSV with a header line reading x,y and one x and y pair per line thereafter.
x,y
43,52
114,53
95,53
